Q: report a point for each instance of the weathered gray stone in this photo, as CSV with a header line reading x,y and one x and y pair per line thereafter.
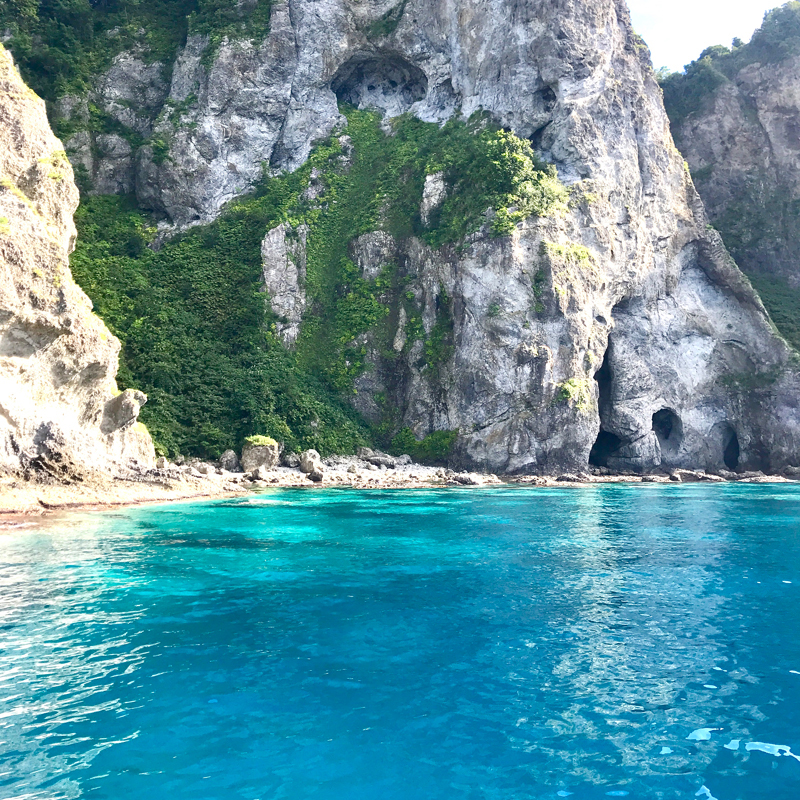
x,y
742,146
261,473
260,455
229,461
433,196
291,460
316,475
687,476
122,411
132,92
311,463
383,460
283,255
373,252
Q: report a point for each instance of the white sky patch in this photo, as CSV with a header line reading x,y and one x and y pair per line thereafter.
x,y
677,32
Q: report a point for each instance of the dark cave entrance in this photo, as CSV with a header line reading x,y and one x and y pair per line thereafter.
x,y
386,82
607,443
730,448
668,429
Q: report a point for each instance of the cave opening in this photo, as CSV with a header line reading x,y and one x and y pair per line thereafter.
x,y
730,452
668,429
386,82
603,378
607,443
604,447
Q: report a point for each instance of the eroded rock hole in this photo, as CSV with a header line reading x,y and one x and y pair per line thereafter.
x,y
730,452
548,98
388,83
669,430
607,443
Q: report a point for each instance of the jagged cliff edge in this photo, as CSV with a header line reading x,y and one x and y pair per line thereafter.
x,y
60,411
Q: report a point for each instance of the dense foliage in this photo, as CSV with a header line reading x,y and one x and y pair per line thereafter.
x,y
433,449
60,44
783,303
778,38
382,188
197,332
763,212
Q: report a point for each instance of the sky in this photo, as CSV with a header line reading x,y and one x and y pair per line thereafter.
x,y
677,31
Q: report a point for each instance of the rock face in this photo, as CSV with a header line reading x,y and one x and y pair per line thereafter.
x,y
743,146
265,453
618,332
130,95
284,261
59,405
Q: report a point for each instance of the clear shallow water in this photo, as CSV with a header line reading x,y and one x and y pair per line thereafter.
x,y
511,643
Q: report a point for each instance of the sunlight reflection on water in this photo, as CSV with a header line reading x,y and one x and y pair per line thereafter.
x,y
610,641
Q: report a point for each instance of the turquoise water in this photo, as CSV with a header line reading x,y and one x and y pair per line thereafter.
x,y
609,641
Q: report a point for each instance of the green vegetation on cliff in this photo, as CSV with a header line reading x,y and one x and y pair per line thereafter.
x,y
60,44
778,38
763,212
197,331
783,303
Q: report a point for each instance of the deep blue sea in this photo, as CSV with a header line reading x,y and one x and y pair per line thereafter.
x,y
608,641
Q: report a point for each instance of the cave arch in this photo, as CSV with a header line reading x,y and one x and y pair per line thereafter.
x,y
604,447
387,82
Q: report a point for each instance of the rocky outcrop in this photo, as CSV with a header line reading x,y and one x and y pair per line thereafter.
x,y
261,452
283,255
617,332
742,142
311,465
125,103
60,411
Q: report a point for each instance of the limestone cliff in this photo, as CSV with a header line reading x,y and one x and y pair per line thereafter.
x,y
60,411
616,330
741,138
